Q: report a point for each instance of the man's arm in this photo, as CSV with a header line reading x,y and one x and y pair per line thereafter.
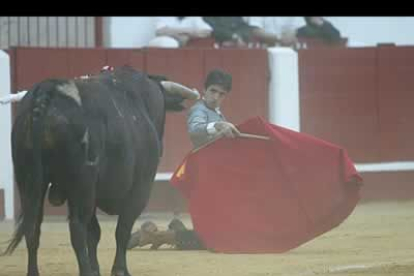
x,y
197,127
195,27
258,30
264,37
172,31
201,131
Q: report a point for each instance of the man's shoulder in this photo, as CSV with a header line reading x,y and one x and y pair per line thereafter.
x,y
198,109
198,105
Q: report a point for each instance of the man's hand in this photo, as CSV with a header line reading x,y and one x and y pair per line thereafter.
x,y
288,38
182,38
264,37
226,129
201,33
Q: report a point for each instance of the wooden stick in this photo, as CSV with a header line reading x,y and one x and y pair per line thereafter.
x,y
254,136
242,135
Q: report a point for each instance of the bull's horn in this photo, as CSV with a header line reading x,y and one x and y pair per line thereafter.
x,y
11,98
176,88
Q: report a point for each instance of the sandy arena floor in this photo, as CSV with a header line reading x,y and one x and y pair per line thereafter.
x,y
376,240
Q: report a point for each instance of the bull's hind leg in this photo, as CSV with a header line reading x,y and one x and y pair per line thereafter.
x,y
81,208
132,208
94,235
32,241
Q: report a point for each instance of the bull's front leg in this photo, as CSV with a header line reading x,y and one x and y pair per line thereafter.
x,y
122,235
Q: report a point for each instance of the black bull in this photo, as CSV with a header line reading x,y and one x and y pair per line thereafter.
x,y
99,140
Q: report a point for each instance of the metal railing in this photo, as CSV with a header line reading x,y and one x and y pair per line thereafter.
x,y
48,32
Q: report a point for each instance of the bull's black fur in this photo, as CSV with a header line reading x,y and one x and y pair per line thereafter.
x,y
100,152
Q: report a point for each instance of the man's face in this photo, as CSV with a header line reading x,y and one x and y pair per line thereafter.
x,y
214,96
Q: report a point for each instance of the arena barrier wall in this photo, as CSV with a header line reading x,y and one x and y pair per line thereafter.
x,y
358,98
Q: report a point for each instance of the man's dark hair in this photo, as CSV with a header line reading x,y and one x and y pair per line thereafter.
x,y
218,77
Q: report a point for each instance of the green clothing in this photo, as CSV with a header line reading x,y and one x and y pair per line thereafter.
x,y
225,26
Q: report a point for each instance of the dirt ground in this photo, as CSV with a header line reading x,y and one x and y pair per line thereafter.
x,y
376,240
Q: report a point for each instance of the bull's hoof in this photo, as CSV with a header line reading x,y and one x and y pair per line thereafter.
x,y
90,274
120,273
94,273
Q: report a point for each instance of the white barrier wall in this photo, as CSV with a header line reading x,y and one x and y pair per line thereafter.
x,y
6,166
284,103
284,88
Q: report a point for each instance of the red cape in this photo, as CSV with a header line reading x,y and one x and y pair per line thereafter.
x,y
255,196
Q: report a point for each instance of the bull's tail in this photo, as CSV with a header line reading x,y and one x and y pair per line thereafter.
x,y
31,190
